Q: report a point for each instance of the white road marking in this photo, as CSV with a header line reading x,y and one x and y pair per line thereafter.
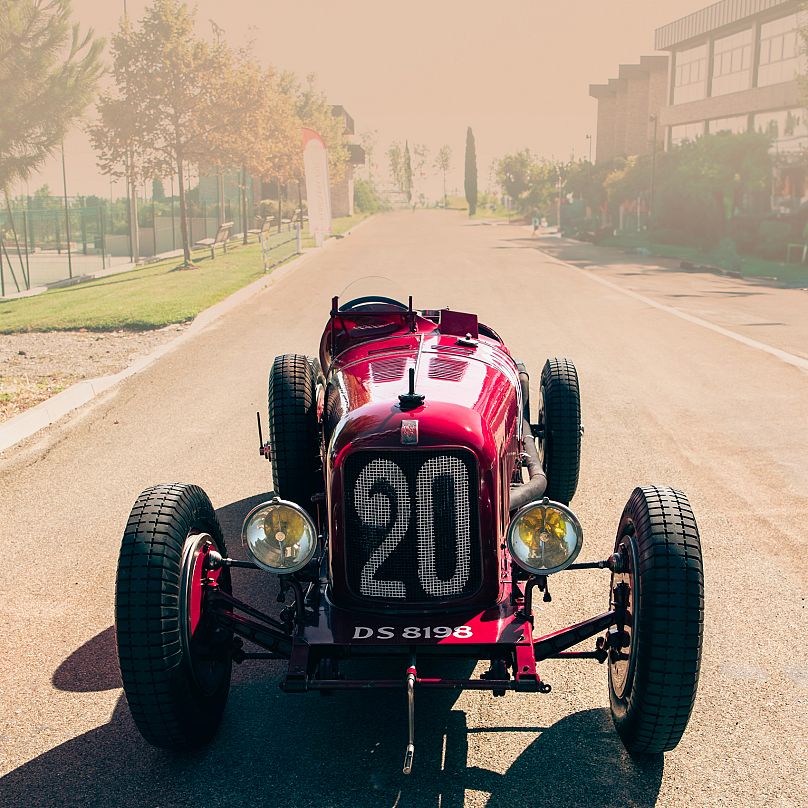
x,y
784,356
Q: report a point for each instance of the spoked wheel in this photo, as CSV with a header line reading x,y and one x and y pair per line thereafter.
x,y
559,441
655,649
175,661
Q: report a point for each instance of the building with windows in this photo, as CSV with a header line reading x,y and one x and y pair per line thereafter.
x,y
627,107
733,68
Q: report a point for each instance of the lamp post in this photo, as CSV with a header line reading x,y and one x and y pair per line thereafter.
x,y
589,138
67,215
652,200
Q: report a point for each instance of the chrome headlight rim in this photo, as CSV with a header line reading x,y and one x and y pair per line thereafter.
x,y
275,501
545,503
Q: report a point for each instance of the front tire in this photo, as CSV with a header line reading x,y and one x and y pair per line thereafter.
x,y
559,442
656,653
175,663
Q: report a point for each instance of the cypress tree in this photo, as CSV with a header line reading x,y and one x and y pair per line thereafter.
x,y
407,172
471,172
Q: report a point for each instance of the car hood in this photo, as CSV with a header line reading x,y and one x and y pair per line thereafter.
x,y
470,388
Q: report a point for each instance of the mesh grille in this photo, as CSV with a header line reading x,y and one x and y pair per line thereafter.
x,y
412,526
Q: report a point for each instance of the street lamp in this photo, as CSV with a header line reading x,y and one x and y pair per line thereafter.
x,y
589,138
652,200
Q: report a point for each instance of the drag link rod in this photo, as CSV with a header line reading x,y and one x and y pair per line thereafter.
x,y
412,677
613,563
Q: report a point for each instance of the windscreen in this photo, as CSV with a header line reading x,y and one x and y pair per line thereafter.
x,y
372,292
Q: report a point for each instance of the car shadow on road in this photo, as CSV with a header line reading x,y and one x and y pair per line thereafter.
x,y
280,750
275,749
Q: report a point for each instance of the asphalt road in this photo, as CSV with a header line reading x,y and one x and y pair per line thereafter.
x,y
667,398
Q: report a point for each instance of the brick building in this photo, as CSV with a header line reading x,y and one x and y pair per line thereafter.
x,y
734,67
627,106
342,192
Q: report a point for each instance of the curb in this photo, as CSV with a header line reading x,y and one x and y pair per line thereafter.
x,y
48,412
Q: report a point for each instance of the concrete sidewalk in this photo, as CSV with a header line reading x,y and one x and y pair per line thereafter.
x,y
757,309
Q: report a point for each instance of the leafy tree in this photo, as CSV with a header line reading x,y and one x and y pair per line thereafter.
x,y
48,74
175,94
530,182
158,190
443,162
406,172
369,139
514,173
395,157
420,155
470,181
314,111
700,184
585,181
366,197
265,139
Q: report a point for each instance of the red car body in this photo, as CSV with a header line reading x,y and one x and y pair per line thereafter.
x,y
403,526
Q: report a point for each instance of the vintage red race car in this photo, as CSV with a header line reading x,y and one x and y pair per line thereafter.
x,y
417,511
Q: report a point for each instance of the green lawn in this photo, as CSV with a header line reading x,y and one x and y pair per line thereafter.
x,y
751,266
151,297
484,211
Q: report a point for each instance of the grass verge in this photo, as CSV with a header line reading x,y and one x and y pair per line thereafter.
x,y
750,266
150,297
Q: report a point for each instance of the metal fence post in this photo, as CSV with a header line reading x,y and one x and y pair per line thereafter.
x,y
299,240
83,229
27,262
102,236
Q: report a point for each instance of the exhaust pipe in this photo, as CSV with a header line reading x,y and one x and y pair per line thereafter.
x,y
536,485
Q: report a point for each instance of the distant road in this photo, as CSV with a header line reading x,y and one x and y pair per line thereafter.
x,y
666,400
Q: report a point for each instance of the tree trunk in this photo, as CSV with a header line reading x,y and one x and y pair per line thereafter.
x,y
186,247
244,202
279,205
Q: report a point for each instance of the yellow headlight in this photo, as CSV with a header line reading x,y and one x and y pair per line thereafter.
x,y
544,537
280,536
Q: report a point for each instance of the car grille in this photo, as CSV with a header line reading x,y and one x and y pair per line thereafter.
x,y
411,526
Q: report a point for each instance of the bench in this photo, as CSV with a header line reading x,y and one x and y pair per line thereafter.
x,y
802,246
222,237
266,226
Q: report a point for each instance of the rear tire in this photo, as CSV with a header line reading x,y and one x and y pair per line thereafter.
x,y
654,676
176,697
559,442
293,429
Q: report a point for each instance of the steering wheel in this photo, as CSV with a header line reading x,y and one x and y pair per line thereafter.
x,y
372,300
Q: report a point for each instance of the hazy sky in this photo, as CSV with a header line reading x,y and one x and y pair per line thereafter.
x,y
518,72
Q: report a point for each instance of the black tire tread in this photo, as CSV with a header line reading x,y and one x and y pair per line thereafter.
x,y
670,626
147,615
563,442
293,433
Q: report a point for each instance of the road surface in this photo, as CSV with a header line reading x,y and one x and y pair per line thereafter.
x,y
670,396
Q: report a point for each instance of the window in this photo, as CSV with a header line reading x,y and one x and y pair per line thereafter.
x,y
788,129
690,75
732,63
736,125
685,132
779,50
